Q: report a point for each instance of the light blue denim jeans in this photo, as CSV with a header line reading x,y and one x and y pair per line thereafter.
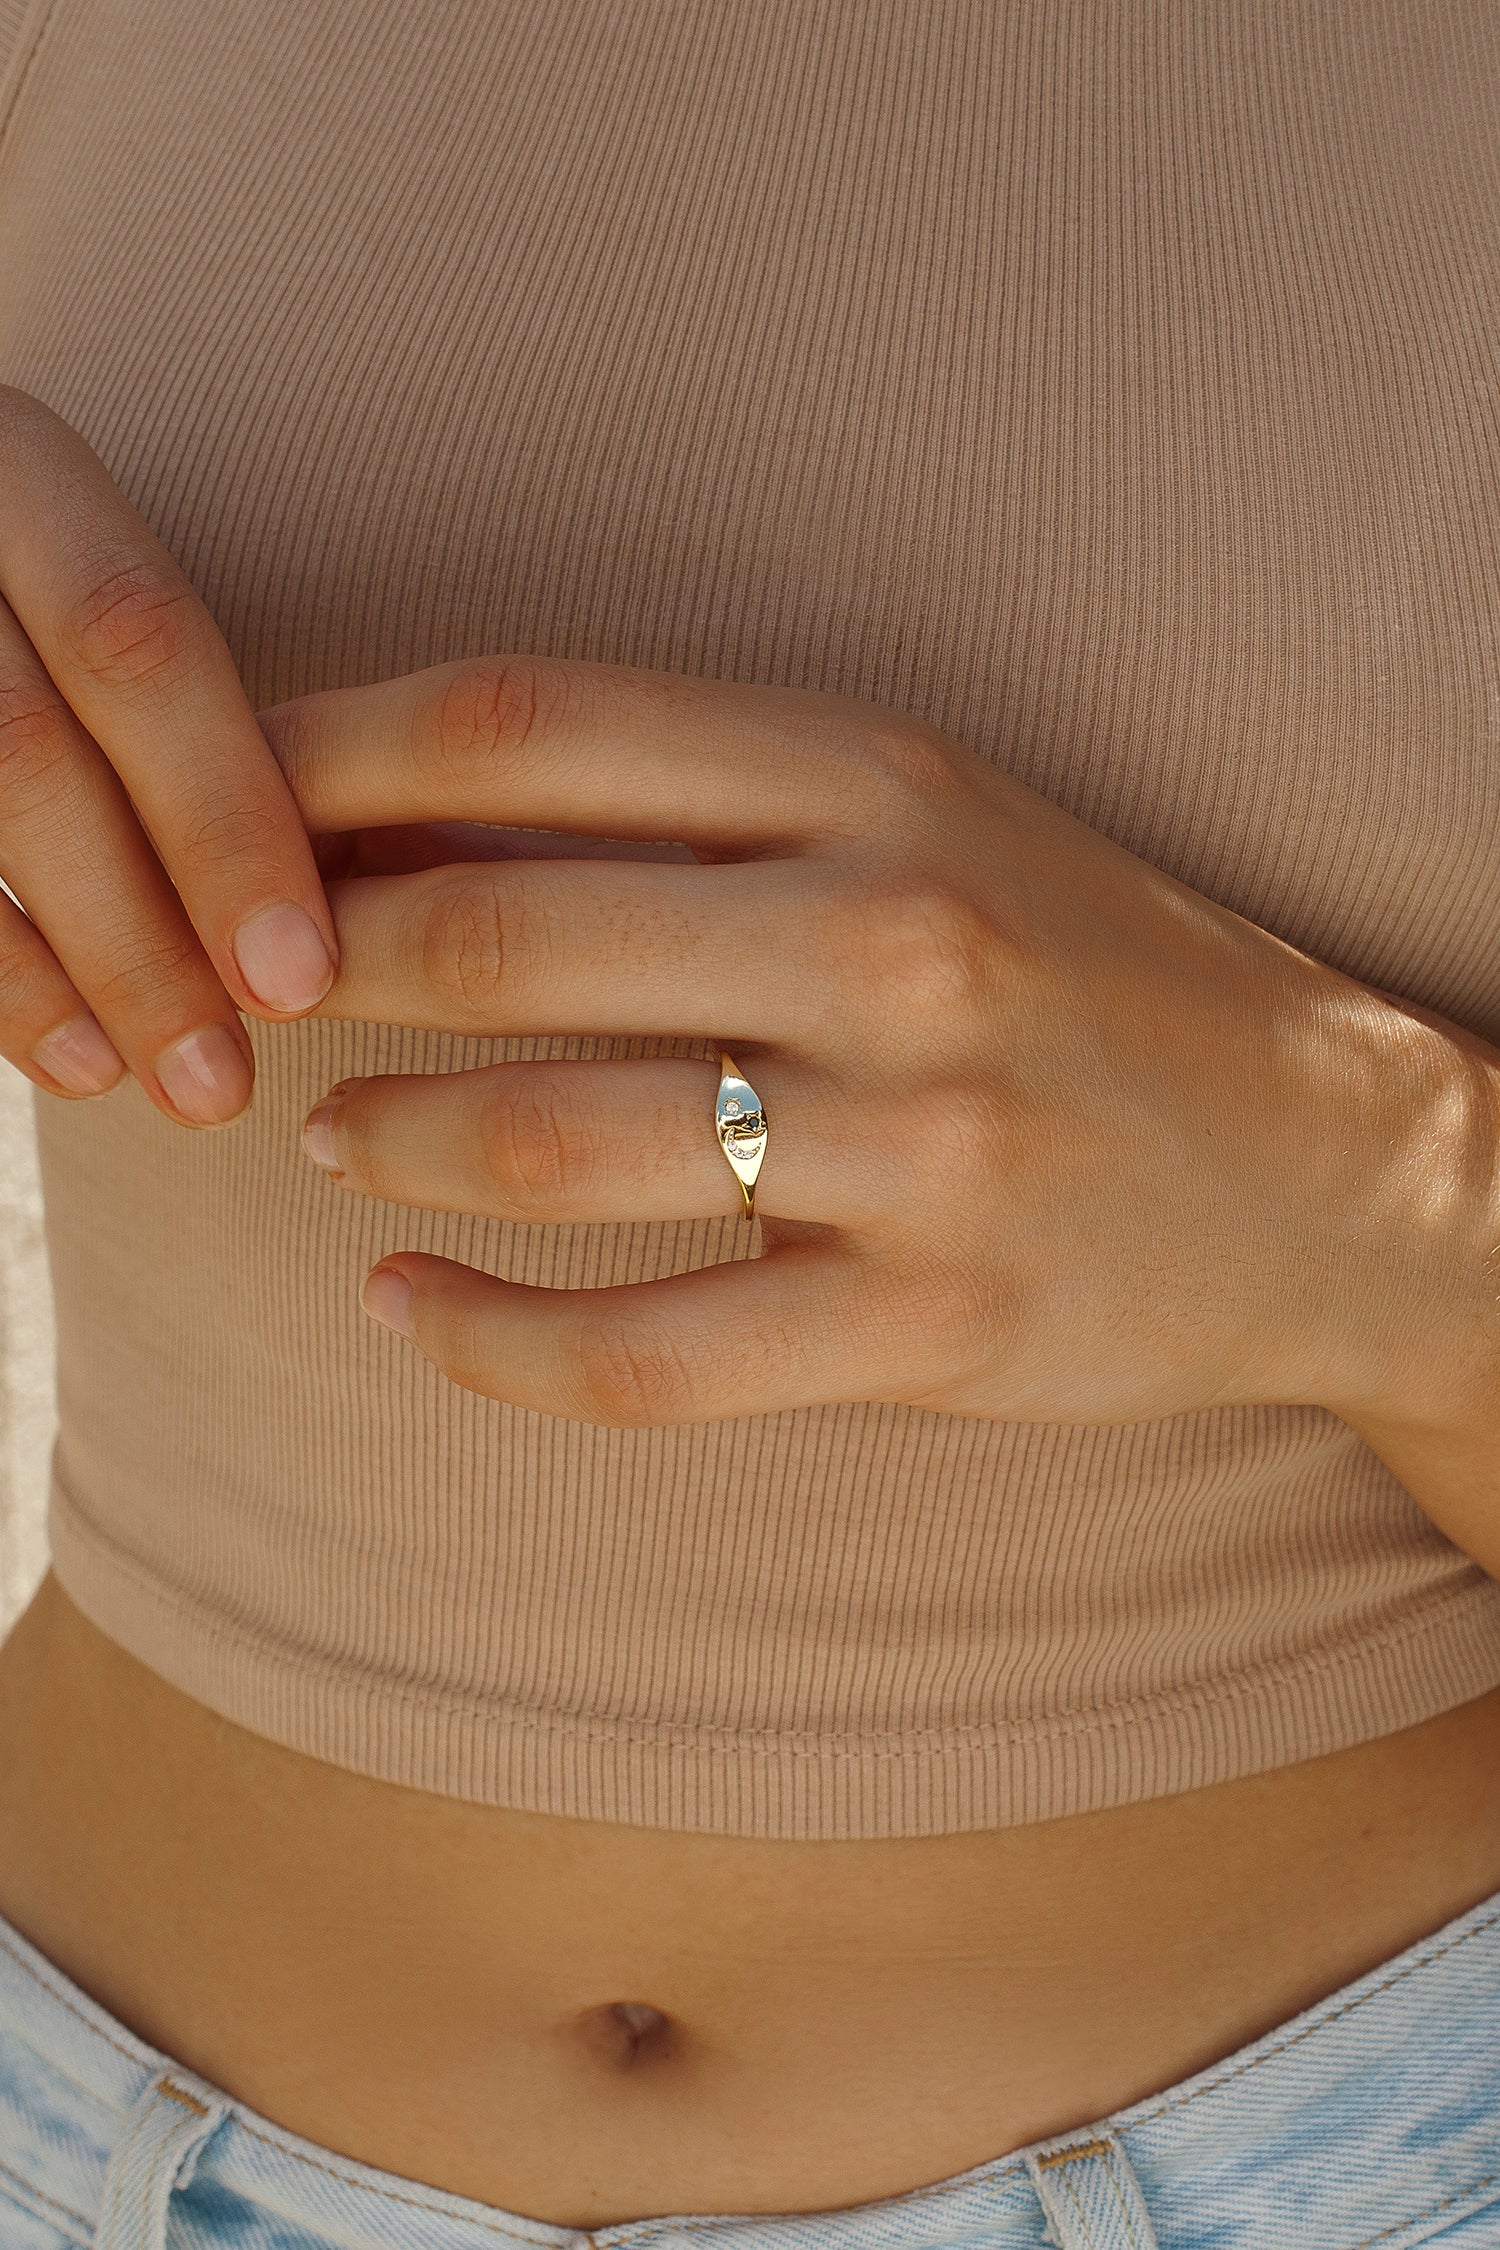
x,y
1372,2122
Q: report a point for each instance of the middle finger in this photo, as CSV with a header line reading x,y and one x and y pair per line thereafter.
x,y
748,951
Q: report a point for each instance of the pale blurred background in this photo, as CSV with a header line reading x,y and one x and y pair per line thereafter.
x,y
27,1414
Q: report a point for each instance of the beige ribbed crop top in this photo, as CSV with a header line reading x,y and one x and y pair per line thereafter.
x,y
1114,382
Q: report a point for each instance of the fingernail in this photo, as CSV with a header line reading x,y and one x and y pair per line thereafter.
x,y
81,1056
205,1077
386,1297
317,1134
283,959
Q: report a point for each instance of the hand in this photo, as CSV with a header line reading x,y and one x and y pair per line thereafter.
x,y
144,826
1052,1137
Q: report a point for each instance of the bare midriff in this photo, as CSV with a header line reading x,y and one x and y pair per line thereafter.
x,y
587,2023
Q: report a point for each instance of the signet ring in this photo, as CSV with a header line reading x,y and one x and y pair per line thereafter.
x,y
740,1122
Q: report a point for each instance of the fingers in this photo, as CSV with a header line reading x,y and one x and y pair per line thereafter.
x,y
107,935
45,1029
136,656
573,1141
741,951
753,1336
536,742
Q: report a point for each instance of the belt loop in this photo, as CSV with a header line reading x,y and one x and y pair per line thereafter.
x,y
1091,2195
154,2155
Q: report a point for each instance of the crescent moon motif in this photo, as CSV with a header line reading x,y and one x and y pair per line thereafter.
x,y
740,1122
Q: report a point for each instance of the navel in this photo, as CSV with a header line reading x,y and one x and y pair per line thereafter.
x,y
627,2033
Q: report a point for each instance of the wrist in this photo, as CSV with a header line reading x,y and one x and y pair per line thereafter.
x,y
1426,1393
1451,1468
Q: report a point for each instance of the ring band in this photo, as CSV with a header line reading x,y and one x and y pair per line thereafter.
x,y
740,1122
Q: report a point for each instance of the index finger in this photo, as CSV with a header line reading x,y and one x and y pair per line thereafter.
x,y
543,742
136,656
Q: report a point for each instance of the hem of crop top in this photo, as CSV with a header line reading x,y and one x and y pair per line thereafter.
x,y
1441,1651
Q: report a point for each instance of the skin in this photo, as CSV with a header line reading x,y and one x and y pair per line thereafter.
x,y
1131,1156
430,1986
1134,1156
144,825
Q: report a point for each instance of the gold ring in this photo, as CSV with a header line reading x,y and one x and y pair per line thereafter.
x,y
740,1122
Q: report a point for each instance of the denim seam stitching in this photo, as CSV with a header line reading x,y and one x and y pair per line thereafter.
x,y
650,2229
1013,2162
1113,2159
366,2187
63,2210
27,1970
156,2166
1084,2228
187,2101
1017,2159
1418,2217
88,2023
1225,2078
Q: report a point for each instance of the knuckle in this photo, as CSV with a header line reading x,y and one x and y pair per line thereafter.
x,y
485,717
465,952
630,1377
222,835
27,977
135,628
907,754
154,968
929,944
36,744
540,1156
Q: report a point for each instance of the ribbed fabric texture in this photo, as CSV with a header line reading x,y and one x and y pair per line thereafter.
x,y
1114,385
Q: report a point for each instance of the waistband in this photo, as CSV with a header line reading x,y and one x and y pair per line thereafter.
x,y
1369,2122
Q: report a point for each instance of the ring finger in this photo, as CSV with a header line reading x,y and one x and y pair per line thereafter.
x,y
559,1141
